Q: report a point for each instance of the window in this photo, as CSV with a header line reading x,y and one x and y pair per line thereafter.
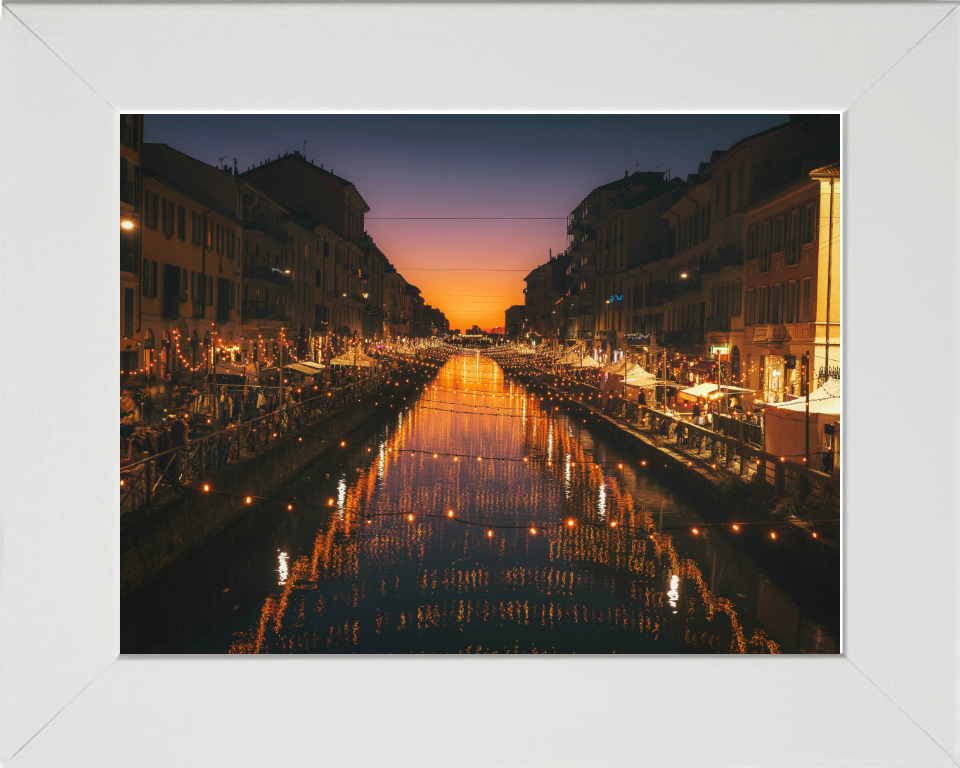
x,y
729,192
184,294
751,246
778,235
717,200
151,203
763,305
231,240
740,187
209,291
793,298
776,311
792,255
805,306
736,295
765,235
149,279
751,308
810,223
181,222
195,229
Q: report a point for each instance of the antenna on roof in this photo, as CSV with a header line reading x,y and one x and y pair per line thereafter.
x,y
222,159
304,147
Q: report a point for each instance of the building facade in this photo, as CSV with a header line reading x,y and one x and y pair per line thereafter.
x,y
192,232
131,194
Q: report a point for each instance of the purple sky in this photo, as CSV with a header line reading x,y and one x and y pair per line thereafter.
x,y
500,166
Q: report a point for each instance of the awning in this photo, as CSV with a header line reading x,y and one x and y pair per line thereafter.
x,y
348,359
307,366
301,368
710,389
643,379
702,366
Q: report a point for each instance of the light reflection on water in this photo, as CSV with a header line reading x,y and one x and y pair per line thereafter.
x,y
332,580
391,584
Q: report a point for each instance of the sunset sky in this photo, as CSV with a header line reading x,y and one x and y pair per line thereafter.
x,y
464,206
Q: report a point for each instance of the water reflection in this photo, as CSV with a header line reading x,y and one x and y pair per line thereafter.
x,y
506,573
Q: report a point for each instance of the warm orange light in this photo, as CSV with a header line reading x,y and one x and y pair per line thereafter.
x,y
613,524
489,533
289,506
773,535
330,503
525,459
643,463
249,500
434,455
342,444
695,531
450,513
409,517
814,534
126,224
736,527
569,522
206,487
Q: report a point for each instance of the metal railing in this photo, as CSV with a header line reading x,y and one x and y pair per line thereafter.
x,y
148,480
277,231
268,274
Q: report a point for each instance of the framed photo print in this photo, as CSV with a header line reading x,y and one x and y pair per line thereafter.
x,y
446,331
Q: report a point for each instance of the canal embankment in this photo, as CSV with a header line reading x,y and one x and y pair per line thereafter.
x,y
808,536
155,537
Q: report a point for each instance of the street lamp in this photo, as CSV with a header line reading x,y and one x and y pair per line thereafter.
x,y
126,224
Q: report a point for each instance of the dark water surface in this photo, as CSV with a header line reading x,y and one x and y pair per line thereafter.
x,y
361,576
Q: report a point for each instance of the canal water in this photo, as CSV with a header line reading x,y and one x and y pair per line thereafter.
x,y
480,519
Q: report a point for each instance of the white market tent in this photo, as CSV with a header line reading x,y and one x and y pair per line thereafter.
x,y
306,367
621,364
783,427
643,379
349,359
577,362
708,389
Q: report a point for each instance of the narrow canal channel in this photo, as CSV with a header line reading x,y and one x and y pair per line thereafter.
x,y
575,555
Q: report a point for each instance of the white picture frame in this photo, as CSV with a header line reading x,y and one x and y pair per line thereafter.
x,y
67,698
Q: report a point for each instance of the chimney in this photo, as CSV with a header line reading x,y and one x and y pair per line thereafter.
x,y
626,174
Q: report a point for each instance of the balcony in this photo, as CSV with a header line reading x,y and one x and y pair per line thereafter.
x,y
717,324
730,257
260,310
770,334
128,192
268,274
589,237
272,229
573,226
691,283
709,265
589,261
572,269
591,211
588,286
